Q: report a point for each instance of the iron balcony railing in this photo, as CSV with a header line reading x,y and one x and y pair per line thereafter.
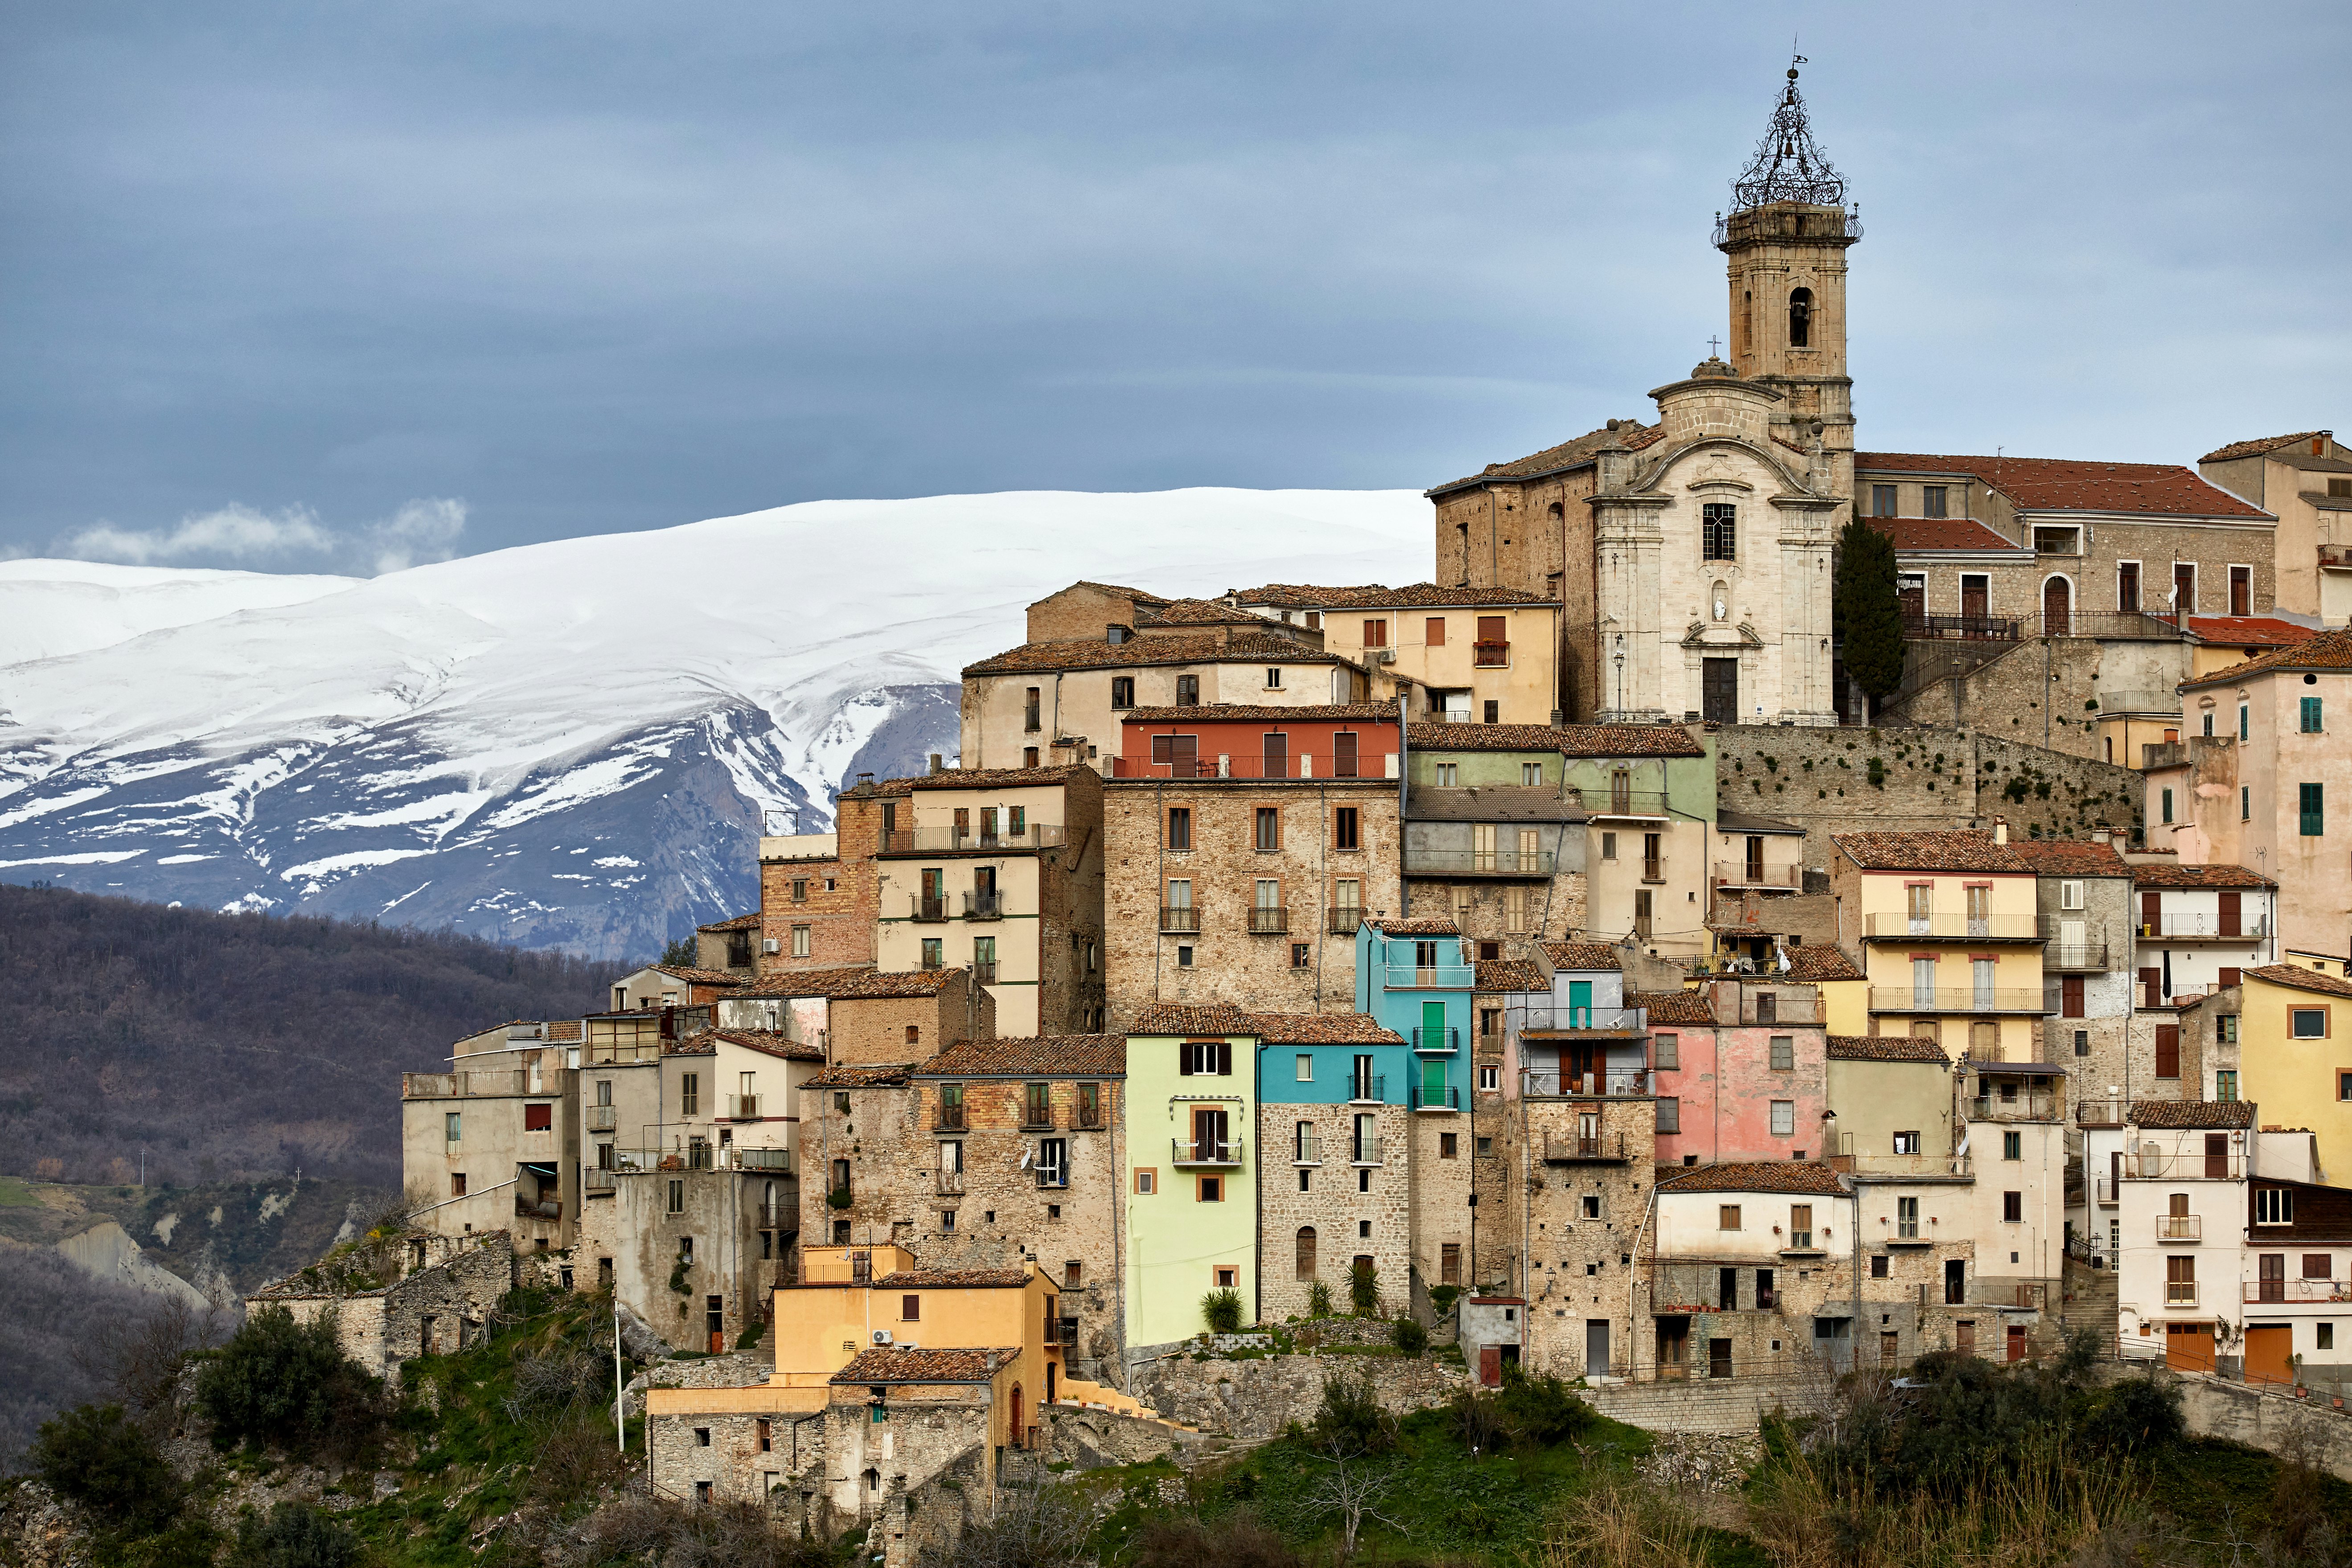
x,y
948,1118
1962,628
1178,918
2174,927
1422,862
1435,977
2101,1113
2336,555
1037,1117
2075,957
1958,999
2179,1227
2024,1108
950,839
1653,868
984,972
1268,920
1605,802
1304,1150
595,1180
1955,925
599,1118
738,1107
2112,624
1436,1040
2189,1165
1490,655
983,906
1568,1151
1343,918
2298,1289
1365,1150
1591,1020
930,908
2180,1293
1622,1082
1441,1097
738,1158
1741,874
1187,1152
1368,1089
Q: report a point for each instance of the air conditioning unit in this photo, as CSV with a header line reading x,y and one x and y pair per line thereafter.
x,y
771,945
1385,656
881,1336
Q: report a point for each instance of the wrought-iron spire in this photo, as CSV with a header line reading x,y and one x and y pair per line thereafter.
x,y
1787,166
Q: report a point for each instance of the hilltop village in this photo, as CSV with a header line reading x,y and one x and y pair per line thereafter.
x,y
1563,953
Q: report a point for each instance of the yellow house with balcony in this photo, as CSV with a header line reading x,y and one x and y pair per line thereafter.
x,y
1466,656
2291,1058
1950,936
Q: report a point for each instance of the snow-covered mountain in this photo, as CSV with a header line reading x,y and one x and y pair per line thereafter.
x,y
566,744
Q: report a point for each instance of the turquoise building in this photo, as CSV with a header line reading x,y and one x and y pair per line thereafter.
x,y
1414,977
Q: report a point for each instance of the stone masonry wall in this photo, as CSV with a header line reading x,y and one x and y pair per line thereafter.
x,y
1821,780
840,895
1257,1399
1375,1220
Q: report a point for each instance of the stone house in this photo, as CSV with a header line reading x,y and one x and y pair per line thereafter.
x,y
673,986
1756,892
1491,840
495,1142
1649,796
1754,1271
1244,846
432,1308
817,890
1590,1162
2305,481
731,946
999,871
2083,897
1454,655
865,1015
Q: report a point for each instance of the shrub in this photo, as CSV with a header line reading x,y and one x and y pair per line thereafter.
x,y
1542,1411
294,1536
1318,1300
1409,1336
289,1383
1238,1540
1222,1311
1351,1421
837,1198
95,1456
1443,1297
1363,1288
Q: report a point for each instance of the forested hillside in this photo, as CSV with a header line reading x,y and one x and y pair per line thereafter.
x,y
225,1046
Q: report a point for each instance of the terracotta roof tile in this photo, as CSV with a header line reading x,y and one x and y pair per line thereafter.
x,y
1940,533
1305,595
2250,631
2193,1113
1674,1007
1197,613
773,1041
1584,954
699,976
1425,927
2262,448
2067,484
1631,434
901,1365
1763,1177
1248,712
1323,1029
952,1279
1376,596
2198,877
1168,1018
741,922
1508,974
1885,1048
1950,849
2070,858
2327,650
1483,737
1174,648
1820,962
2303,979
1628,741
1035,1056
991,778
853,985
846,1075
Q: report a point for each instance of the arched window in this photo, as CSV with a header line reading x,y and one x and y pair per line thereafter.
x,y
1306,1252
1801,318
1556,513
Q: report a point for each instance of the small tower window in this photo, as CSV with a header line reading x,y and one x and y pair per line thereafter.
x,y
1801,318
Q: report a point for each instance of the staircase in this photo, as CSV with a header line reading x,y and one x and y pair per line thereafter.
x,y
2090,1304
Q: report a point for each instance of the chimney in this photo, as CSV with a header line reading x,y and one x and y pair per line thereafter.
x,y
937,767
1999,824
2100,835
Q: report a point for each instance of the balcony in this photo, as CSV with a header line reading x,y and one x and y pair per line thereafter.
x,y
1960,999
1053,1175
599,1118
1952,925
983,906
2292,1290
1179,918
2206,928
1962,628
1228,1152
967,841
930,910
1087,1118
2188,1166
1490,655
1776,1006
1800,1243
1420,862
1342,919
2336,557
949,1183
1304,1150
1268,920
1365,1150
2179,1227
2119,626
1369,1090
538,1208
1627,1083
1436,1041
1653,868
2018,1108
2101,1113
1606,1148
596,1181
984,972
2153,704
1752,874
1436,977
1620,802
2082,957
1584,1020
1441,1097
463,1085
948,1118
738,1107
2180,1293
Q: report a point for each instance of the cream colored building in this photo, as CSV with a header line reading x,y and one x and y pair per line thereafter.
x,y
2305,480
493,1144
1461,655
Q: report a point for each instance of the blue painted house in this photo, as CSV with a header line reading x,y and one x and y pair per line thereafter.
x,y
1416,977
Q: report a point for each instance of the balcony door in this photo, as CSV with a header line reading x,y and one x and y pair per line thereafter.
x,y
1580,1004
2057,607
1432,1027
1208,1133
1433,1080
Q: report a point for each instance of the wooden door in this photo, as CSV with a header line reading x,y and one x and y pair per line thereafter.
x,y
1596,1347
2184,588
1016,1416
1490,1365
1973,597
1889,1347
2152,916
1720,690
2057,607
1580,1004
2167,1050
2217,1156
2230,912
2270,1276
1208,1133
2070,996
1964,1338
1674,1349
1755,867
2188,1347
1277,755
1912,595
2017,1341
1718,1358
2269,1347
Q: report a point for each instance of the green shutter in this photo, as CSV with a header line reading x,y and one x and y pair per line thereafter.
x,y
2315,811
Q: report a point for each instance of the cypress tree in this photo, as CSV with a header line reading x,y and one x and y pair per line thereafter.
x,y
1866,613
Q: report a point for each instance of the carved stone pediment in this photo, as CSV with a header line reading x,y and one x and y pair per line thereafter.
x,y
1723,638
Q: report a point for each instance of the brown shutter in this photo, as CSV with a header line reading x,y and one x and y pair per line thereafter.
x,y
2230,913
1224,1059
2167,1050
2150,906
2228,978
1184,1059
2070,996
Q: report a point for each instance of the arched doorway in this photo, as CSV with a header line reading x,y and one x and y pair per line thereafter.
x,y
2057,607
1018,1427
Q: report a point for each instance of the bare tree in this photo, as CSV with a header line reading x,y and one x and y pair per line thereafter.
x,y
1038,1527
137,1358
1352,1493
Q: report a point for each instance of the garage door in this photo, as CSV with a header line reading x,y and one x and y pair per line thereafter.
x,y
2188,1347
2269,1347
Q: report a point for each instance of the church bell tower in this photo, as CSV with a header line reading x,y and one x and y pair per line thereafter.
x,y
1786,240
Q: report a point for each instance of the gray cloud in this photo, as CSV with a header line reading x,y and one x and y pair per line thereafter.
x,y
290,538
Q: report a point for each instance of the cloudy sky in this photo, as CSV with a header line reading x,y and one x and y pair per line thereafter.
x,y
344,285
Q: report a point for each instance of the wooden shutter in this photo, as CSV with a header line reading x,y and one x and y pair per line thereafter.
x,y
1184,1059
1490,628
2150,904
2070,996
2230,977
2230,912
2167,1050
1224,1059
1343,754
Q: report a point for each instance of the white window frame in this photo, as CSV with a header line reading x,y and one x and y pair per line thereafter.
x,y
2141,567
2070,895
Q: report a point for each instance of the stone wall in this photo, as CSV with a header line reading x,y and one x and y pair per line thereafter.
x,y
839,897
431,1312
2276,1422
1376,1222
1822,780
1257,1399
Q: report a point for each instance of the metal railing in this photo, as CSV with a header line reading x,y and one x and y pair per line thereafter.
x,y
1444,1097
2131,625
2336,555
1036,1118
928,910
1653,868
2101,1113
1568,1151
1619,801
1592,1020
2179,1227
1956,925
1958,999
1268,920
1622,1082
1365,1150
1342,919
2024,1108
1443,1039
1304,1149
950,1118
983,906
2091,956
1185,1152
1437,976
599,1118
949,1183
736,1157
2194,1164
2257,929
984,972
595,1180
2180,1293
1962,628
940,841
2298,1289
1368,1089
1179,918
1419,862
1489,655
738,1107
1740,874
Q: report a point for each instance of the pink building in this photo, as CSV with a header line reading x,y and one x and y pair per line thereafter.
x,y
1739,1072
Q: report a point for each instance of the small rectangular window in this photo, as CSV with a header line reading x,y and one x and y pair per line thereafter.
x,y
2311,800
1668,1051
910,1308
1122,691
1490,1078
539,1117
2012,1145
1434,631
1718,525
1727,1216
1784,1119
2246,803
1146,1183
2167,806
1346,828
1376,633
801,941
1931,500
2307,1023
1269,828
1670,1115
1882,500
452,1125
1906,1142
1784,1053
2311,716
2012,1208
2273,1206
1212,1189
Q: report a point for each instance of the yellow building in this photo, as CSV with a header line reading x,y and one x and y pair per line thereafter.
x,y
1950,935
1470,656
1845,990
2289,1062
